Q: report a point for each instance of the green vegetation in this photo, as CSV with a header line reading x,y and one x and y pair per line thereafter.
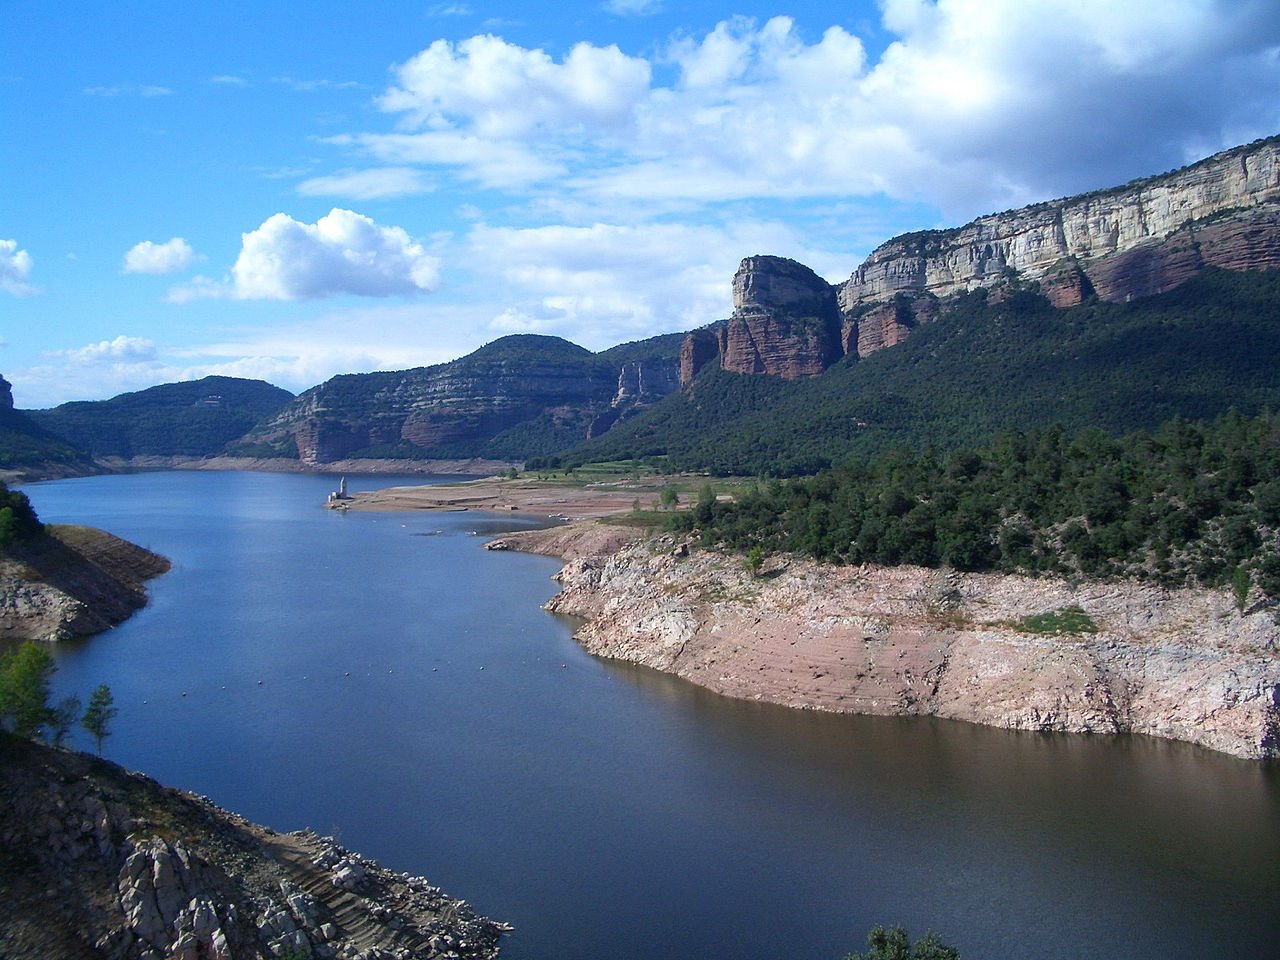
x,y
980,368
18,520
24,699
1056,622
196,418
894,944
101,711
1192,503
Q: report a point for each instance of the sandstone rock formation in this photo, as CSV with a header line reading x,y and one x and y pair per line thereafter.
x,y
1131,241
1181,664
6,394
74,581
99,862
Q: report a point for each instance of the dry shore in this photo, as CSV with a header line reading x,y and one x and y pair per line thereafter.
x,y
1179,664
538,497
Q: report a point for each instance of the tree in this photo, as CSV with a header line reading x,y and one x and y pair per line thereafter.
x,y
61,719
755,560
97,718
24,690
894,944
669,497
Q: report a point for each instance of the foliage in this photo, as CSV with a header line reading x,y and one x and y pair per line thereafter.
x,y
193,418
1191,503
1064,620
24,690
18,520
894,944
24,443
980,368
99,714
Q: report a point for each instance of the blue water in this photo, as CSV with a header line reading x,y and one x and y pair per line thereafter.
x,y
382,678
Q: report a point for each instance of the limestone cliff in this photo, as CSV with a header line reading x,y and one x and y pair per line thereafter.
x,y
99,862
1131,241
72,581
1181,664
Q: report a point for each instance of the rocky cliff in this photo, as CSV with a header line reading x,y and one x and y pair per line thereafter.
x,y
72,581
1182,664
1133,241
96,862
539,393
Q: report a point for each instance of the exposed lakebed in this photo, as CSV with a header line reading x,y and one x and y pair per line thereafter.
x,y
406,692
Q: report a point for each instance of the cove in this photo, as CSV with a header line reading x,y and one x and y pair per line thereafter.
x,y
382,678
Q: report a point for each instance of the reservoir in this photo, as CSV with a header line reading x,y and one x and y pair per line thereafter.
x,y
382,678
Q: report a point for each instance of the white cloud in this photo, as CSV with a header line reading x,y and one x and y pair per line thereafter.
x,y
121,349
172,256
128,89
449,10
15,267
602,284
368,184
976,104
311,86
341,253
229,80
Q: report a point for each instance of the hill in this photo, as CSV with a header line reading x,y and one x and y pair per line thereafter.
x,y
518,396
26,448
194,418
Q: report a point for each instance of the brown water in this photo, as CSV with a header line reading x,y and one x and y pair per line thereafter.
x,y
417,702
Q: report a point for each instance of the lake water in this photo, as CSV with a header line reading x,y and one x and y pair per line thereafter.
x,y
382,678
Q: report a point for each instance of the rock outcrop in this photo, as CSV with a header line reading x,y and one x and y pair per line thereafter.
x,y
1181,664
99,862
1131,241
785,322
542,384
72,581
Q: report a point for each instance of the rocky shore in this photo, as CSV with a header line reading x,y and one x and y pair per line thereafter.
x,y
72,581
99,862
1182,664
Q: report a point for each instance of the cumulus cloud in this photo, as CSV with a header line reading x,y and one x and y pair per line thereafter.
x,y
342,252
373,184
973,105
601,284
15,267
121,349
172,256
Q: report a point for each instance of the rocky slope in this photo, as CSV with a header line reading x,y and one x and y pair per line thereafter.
x,y
72,581
97,862
540,393
1181,664
1141,239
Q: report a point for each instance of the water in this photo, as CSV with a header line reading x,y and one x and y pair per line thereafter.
x,y
383,678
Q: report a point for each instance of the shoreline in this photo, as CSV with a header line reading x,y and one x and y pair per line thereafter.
x,y
1182,665
562,501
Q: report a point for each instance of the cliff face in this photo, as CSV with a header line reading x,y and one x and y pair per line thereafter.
x,y
99,862
1181,664
457,407
1134,241
74,581
785,322
1131,241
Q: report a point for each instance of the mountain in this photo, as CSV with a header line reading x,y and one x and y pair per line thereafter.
x,y
28,448
988,361
519,396
1120,244
194,418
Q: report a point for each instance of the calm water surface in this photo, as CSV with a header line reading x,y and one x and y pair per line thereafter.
x,y
382,678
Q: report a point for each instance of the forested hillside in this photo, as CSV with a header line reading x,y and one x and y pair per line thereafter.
x,y
981,367
194,418
1191,503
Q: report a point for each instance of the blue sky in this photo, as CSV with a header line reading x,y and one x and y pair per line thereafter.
x,y
290,191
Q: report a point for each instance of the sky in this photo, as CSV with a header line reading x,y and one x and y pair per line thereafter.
x,y
292,191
